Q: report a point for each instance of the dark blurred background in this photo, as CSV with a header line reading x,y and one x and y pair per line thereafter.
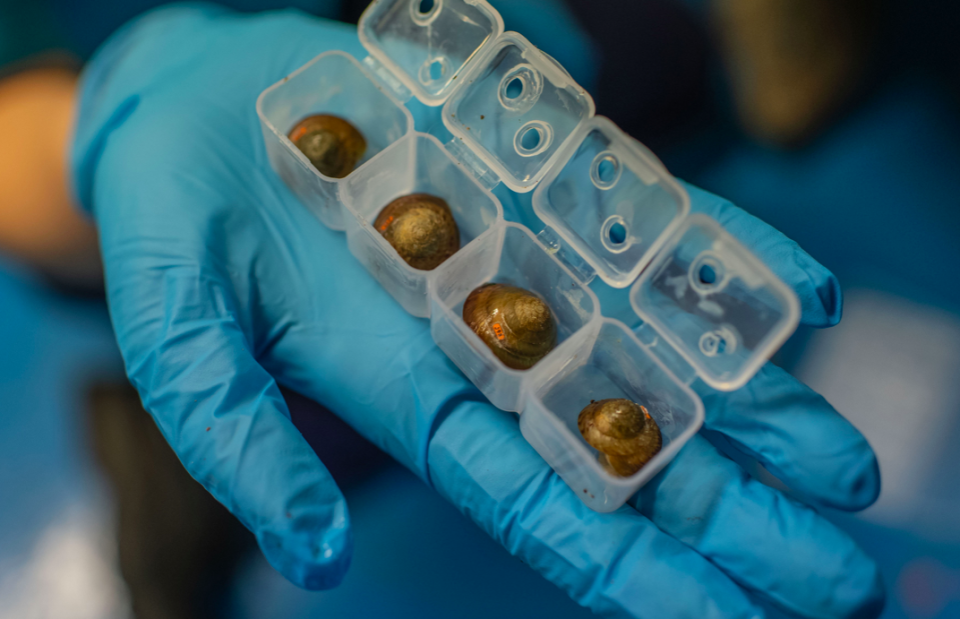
x,y
837,121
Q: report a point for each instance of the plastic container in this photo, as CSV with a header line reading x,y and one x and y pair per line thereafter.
x,y
618,366
711,309
515,110
426,50
713,302
332,83
511,255
416,164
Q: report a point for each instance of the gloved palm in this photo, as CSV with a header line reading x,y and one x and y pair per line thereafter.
x,y
221,285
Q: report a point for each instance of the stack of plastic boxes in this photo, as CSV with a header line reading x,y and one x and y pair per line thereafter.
x,y
710,309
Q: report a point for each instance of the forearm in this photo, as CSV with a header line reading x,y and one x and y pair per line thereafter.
x,y
39,224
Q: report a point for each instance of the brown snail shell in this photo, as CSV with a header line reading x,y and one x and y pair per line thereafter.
x,y
517,325
624,433
332,144
421,228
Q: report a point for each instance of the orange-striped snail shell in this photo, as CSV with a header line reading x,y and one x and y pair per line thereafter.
x,y
517,325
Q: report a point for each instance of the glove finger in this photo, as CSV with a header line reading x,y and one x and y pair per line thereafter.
x,y
780,550
224,416
114,84
616,564
817,288
799,438
782,423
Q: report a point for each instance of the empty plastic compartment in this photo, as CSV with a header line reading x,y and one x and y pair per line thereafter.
x,y
416,164
509,255
332,83
618,366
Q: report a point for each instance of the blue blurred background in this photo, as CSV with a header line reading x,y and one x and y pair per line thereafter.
x,y
866,178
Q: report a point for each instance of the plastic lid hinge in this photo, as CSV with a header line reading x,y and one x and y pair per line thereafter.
x,y
387,79
666,353
569,257
484,175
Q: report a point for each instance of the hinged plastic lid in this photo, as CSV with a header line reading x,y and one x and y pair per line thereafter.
x,y
427,43
611,200
715,303
516,108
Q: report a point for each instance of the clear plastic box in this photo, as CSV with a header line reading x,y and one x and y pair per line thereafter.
x,y
618,366
511,255
711,309
416,164
427,50
332,83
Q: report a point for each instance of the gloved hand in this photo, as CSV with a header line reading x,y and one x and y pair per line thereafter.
x,y
221,285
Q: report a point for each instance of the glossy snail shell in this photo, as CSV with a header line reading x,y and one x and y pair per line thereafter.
x,y
517,325
421,228
333,145
624,433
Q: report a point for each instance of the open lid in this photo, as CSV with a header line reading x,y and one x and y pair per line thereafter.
x,y
515,109
426,43
611,200
714,302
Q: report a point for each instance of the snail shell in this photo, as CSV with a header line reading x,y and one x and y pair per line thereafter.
x,y
517,325
421,228
333,145
624,433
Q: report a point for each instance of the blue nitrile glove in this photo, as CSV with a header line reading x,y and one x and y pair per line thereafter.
x,y
221,285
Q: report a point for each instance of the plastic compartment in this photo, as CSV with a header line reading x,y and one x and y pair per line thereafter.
x,y
509,254
416,164
618,366
516,109
332,83
711,308
611,201
426,43
715,303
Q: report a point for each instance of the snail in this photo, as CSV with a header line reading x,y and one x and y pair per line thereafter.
x,y
517,325
623,432
421,228
333,145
